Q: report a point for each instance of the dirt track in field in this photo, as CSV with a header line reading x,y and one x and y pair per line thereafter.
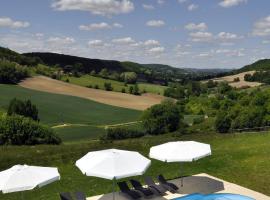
x,y
242,83
45,84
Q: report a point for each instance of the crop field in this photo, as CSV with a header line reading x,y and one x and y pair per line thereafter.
x,y
87,80
57,109
242,159
241,83
42,83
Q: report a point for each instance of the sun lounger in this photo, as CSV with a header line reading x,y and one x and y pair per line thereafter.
x,y
170,186
138,186
80,196
65,196
133,194
151,184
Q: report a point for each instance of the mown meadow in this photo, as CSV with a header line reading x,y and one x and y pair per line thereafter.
x,y
239,158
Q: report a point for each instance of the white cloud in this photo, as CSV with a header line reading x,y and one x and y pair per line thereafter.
x,y
157,50
96,43
266,42
230,3
155,23
196,27
117,25
182,1
148,7
160,2
126,40
201,36
228,36
151,43
262,27
9,23
192,7
61,40
99,26
222,37
95,26
96,7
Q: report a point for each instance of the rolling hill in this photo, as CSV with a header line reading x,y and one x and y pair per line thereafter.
x,y
146,73
257,66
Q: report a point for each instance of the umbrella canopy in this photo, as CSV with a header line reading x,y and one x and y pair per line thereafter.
x,y
182,151
24,177
113,164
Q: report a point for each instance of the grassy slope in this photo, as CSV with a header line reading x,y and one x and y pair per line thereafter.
x,y
242,159
87,80
55,109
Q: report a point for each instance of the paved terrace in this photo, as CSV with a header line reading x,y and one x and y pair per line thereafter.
x,y
200,183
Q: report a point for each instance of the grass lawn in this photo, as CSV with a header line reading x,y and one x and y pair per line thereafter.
x,y
242,159
79,133
57,109
87,80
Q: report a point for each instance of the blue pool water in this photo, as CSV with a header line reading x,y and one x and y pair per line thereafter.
x,y
214,197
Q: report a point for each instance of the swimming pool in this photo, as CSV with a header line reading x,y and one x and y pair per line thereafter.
x,y
197,196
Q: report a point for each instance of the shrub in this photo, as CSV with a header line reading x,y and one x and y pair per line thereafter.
x,y
131,90
108,86
120,133
24,108
96,87
136,90
18,130
12,73
237,79
123,90
128,77
223,122
161,118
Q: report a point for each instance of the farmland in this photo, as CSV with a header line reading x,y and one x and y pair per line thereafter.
x,y
92,81
57,109
46,84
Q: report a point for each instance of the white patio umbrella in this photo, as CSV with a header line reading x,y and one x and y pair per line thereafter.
x,y
23,177
182,151
113,164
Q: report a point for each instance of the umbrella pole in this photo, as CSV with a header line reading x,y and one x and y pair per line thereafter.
x,y
182,176
113,188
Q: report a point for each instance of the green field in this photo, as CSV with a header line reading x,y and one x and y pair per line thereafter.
x,y
242,159
58,109
87,80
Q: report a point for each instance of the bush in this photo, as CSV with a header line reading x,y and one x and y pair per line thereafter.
x,y
237,79
136,90
131,90
123,90
120,133
161,118
96,87
12,73
24,108
108,86
223,122
128,77
18,130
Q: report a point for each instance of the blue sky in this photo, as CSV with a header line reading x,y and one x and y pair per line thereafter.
x,y
181,33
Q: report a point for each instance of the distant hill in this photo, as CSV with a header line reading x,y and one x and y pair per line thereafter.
x,y
257,66
147,72
7,54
